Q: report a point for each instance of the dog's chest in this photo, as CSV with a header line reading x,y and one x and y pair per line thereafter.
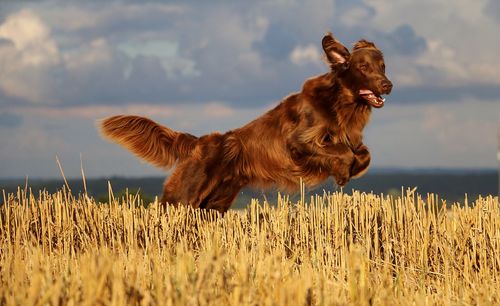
x,y
349,125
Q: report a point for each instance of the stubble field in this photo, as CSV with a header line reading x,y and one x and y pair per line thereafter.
x,y
333,249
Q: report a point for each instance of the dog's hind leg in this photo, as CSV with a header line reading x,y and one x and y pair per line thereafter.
x,y
205,180
172,193
186,185
206,193
222,196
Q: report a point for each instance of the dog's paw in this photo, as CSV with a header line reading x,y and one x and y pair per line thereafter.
x,y
362,150
341,181
361,162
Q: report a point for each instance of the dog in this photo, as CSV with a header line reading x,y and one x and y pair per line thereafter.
x,y
312,134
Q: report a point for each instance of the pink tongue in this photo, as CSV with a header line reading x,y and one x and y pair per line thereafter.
x,y
370,95
372,98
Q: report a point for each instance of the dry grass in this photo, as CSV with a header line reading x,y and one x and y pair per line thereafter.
x,y
334,249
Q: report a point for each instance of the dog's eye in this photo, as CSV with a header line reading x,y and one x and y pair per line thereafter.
x,y
363,67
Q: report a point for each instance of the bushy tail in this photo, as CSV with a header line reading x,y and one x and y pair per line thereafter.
x,y
148,140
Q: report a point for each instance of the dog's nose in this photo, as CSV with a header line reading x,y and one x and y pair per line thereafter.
x,y
386,86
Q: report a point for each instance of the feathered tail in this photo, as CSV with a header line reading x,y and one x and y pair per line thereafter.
x,y
148,140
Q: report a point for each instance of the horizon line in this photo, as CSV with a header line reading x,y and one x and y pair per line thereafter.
x,y
375,170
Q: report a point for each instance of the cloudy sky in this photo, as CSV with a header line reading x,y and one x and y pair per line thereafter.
x,y
200,66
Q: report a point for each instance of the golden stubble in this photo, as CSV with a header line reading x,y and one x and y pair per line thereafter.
x,y
331,249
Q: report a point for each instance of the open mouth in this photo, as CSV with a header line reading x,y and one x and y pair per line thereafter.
x,y
372,99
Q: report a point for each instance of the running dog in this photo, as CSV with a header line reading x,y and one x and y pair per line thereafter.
x,y
312,134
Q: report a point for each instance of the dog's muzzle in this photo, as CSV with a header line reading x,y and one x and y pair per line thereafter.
x,y
374,99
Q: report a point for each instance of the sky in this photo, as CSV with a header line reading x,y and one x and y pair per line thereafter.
x,y
204,66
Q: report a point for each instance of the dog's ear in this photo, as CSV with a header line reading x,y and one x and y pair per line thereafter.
x,y
336,53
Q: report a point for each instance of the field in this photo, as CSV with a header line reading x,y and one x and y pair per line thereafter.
x,y
330,249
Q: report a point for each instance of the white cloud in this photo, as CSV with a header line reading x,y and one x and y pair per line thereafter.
x,y
444,58
302,55
79,16
93,54
353,16
31,36
463,41
167,51
27,61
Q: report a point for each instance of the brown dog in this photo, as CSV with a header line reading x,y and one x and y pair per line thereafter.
x,y
312,135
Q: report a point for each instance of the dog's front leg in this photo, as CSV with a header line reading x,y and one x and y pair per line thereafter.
x,y
361,161
341,167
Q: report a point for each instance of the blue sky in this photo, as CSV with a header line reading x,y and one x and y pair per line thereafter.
x,y
202,66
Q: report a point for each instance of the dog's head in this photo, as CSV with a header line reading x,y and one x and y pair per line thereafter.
x,y
362,71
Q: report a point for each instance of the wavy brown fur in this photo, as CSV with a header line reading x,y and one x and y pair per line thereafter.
x,y
364,44
312,134
148,140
